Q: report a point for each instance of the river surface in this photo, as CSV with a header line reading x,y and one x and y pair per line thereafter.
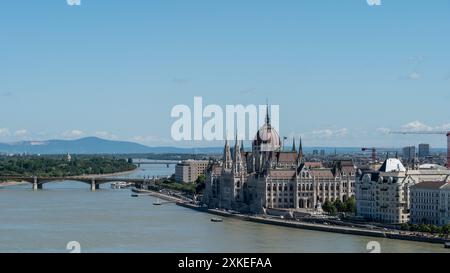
x,y
110,220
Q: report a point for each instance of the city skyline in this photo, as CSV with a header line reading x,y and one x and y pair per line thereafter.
x,y
343,82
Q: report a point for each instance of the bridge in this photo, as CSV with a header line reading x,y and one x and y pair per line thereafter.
x,y
93,181
155,162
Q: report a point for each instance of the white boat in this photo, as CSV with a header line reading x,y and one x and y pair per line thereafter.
x,y
216,220
157,203
120,185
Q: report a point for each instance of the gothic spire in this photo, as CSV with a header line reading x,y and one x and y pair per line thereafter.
x,y
227,163
300,150
238,165
293,145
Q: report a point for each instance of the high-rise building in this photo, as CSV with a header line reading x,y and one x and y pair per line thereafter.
x,y
409,153
424,150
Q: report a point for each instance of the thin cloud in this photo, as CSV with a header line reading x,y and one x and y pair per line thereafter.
x,y
414,76
328,133
106,135
248,91
415,126
383,130
4,132
21,133
180,81
73,133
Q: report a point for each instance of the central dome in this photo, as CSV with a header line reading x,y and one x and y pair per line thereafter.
x,y
267,139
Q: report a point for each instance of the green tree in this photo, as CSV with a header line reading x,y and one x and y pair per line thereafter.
x,y
329,208
339,205
200,184
445,229
424,228
405,226
350,205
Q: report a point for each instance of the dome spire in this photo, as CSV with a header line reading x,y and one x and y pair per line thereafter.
x,y
267,113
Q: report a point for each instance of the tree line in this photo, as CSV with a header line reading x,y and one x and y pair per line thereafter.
x,y
61,167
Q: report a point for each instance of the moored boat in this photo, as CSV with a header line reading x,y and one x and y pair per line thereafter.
x,y
157,203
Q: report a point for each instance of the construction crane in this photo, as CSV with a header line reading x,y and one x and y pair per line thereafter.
x,y
374,152
446,133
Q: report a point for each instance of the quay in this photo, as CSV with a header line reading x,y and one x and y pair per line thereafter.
x,y
316,227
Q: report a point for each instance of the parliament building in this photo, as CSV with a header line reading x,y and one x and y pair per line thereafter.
x,y
268,178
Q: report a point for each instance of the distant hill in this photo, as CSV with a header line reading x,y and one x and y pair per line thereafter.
x,y
92,145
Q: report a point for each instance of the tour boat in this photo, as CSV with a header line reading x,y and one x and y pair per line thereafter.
x,y
120,185
216,220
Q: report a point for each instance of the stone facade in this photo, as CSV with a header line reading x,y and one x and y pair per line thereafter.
x,y
188,171
384,195
430,203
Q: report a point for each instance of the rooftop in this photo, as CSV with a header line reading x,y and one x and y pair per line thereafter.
x,y
430,185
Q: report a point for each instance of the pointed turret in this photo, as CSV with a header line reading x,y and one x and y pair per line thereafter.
x,y
227,161
238,164
300,151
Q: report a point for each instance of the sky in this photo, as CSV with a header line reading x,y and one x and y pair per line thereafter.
x,y
343,73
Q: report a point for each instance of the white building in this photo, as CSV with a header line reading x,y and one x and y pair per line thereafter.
x,y
430,203
384,195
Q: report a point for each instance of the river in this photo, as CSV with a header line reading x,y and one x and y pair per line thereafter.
x,y
110,220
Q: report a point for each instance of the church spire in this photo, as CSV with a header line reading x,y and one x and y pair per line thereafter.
x,y
267,114
293,145
300,151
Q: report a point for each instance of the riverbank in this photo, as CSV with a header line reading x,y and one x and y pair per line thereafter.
x,y
389,234
318,227
10,183
156,194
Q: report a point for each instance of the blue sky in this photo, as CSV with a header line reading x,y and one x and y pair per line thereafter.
x,y
343,72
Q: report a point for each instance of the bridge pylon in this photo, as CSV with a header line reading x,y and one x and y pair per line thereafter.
x,y
36,185
94,186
